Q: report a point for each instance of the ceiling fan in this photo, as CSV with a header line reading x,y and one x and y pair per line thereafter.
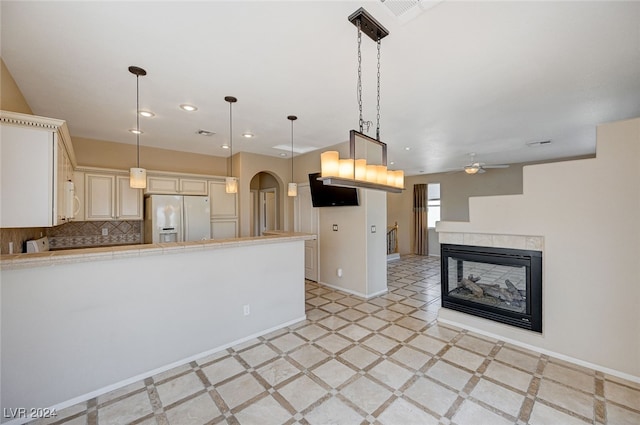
x,y
475,167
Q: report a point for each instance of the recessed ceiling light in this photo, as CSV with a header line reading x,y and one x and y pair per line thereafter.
x,y
283,154
392,163
134,131
247,135
188,108
147,114
407,148
225,146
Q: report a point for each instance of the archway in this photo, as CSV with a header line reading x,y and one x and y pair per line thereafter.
x,y
265,208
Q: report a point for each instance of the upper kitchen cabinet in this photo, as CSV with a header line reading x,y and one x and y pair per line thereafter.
x,y
224,211
109,197
36,163
170,185
223,204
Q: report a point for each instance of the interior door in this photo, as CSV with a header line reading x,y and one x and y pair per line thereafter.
x,y
268,210
306,221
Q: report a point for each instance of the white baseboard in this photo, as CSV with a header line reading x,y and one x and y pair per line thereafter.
x,y
394,256
82,398
352,292
560,356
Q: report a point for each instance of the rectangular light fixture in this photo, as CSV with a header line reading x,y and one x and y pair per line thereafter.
x,y
356,172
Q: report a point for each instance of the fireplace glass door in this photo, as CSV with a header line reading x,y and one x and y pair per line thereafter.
x,y
495,285
500,284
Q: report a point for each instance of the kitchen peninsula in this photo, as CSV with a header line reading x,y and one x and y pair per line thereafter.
x,y
92,320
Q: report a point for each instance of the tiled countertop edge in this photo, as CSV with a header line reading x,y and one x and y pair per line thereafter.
x,y
50,258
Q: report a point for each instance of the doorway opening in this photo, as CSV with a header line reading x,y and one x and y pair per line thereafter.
x,y
265,201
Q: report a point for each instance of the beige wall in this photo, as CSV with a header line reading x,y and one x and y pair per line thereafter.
x,y
11,98
105,154
587,212
249,165
455,190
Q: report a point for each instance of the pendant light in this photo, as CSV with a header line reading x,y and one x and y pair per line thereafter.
x,y
137,175
292,189
354,171
231,183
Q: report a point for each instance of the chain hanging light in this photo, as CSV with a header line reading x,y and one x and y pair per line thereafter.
x,y
137,175
292,189
354,171
231,183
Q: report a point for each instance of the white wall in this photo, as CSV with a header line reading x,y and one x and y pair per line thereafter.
x,y
588,212
72,329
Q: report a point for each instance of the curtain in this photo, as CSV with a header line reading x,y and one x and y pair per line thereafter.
x,y
421,244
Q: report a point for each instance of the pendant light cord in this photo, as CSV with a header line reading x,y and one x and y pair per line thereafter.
x,y
359,88
231,137
138,119
378,106
292,150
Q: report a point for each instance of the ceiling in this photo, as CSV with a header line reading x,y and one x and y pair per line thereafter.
x,y
457,77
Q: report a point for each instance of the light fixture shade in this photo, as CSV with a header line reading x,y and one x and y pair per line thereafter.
x,y
231,185
391,178
372,173
361,169
137,178
471,169
292,189
329,163
399,179
345,170
381,174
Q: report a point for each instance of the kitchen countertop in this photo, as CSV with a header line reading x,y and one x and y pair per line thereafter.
x,y
51,258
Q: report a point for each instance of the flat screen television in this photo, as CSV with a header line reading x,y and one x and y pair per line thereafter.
x,y
331,196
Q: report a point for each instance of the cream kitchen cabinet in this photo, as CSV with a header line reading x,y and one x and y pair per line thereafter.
x,y
170,185
66,199
224,211
36,158
109,197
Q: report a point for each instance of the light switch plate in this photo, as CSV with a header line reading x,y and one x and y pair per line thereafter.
x,y
373,228
335,227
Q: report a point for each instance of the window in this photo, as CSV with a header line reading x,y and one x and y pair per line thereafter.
x,y
433,204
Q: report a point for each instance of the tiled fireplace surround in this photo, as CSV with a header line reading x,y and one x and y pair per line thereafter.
x,y
534,243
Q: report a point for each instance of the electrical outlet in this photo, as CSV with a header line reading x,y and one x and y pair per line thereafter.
x,y
246,309
105,231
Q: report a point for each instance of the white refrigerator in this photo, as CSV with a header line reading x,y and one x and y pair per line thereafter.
x,y
176,218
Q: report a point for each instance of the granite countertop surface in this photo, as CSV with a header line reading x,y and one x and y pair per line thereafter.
x,y
41,259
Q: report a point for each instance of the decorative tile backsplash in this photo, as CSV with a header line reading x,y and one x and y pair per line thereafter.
x,y
77,234
84,234
18,237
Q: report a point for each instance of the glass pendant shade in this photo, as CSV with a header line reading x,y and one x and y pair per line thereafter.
x,y
137,178
361,169
231,185
345,168
329,162
292,189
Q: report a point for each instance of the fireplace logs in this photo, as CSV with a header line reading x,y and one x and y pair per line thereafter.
x,y
510,294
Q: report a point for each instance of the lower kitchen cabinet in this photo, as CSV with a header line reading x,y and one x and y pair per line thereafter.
x,y
109,197
224,228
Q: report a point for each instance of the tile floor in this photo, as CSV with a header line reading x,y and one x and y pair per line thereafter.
x,y
381,361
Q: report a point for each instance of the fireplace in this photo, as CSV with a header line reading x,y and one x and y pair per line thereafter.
x,y
501,284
